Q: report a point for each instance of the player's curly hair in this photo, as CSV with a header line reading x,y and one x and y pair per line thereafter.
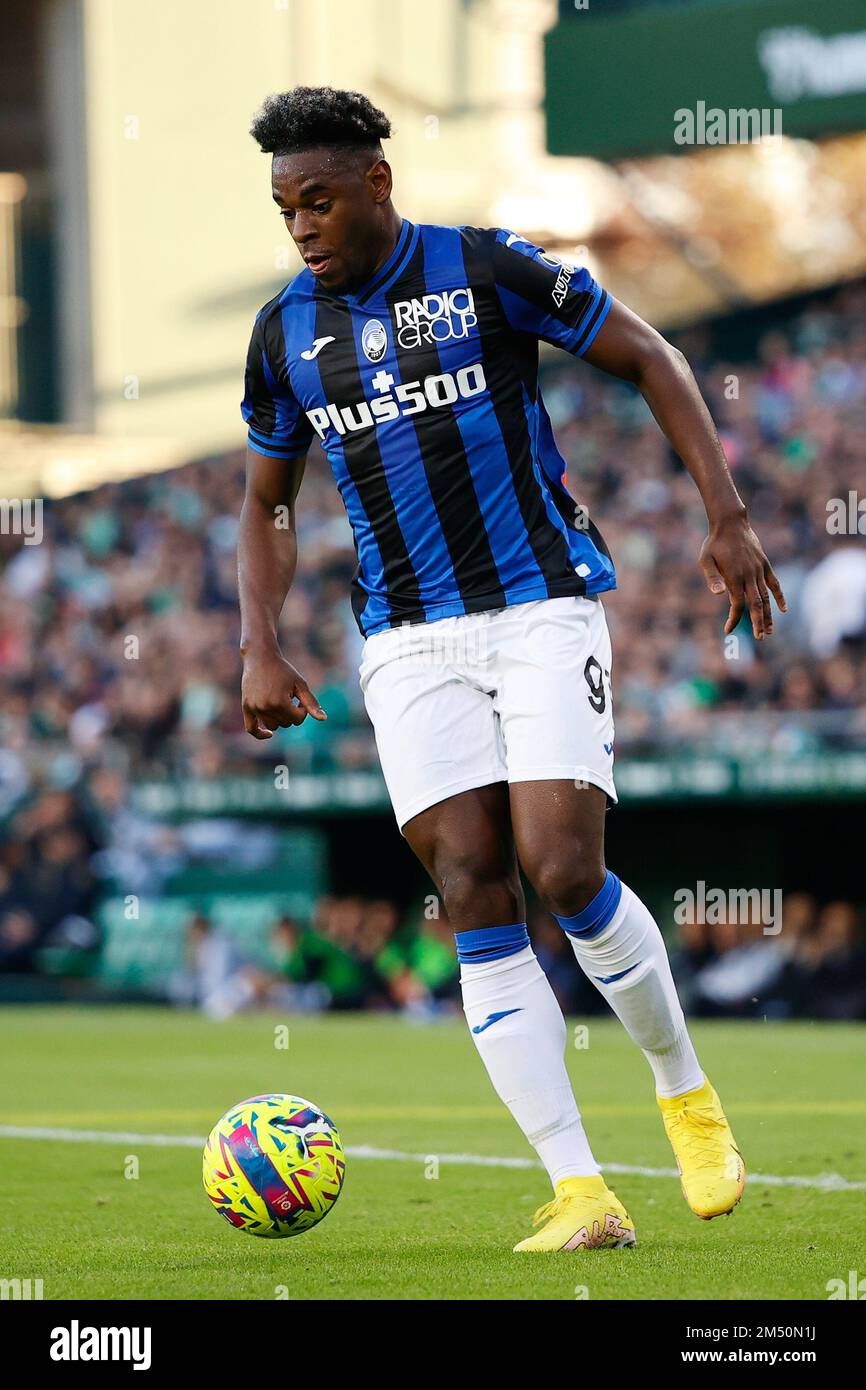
x,y
307,117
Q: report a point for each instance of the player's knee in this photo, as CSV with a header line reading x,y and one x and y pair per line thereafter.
x,y
477,888
567,883
477,900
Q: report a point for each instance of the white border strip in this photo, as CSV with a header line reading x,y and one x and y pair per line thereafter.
x,y
821,1182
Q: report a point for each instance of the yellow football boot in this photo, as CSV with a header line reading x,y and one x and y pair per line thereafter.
x,y
584,1215
712,1171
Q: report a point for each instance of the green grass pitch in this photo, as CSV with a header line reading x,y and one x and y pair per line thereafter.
x,y
71,1217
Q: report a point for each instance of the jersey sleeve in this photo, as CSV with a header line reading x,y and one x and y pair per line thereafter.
x,y
276,425
541,295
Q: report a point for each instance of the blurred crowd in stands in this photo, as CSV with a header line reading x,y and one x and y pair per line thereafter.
x,y
356,954
359,953
118,662
353,954
48,887
814,967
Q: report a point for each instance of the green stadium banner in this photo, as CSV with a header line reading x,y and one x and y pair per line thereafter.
x,y
709,777
615,83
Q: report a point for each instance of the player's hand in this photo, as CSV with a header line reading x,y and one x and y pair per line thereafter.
x,y
733,560
275,696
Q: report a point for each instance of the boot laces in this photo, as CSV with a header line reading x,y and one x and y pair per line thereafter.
x,y
549,1209
559,1205
702,1135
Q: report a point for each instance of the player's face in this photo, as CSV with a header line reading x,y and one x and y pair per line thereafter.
x,y
332,207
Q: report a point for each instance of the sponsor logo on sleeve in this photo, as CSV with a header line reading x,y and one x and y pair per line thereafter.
x,y
560,289
563,277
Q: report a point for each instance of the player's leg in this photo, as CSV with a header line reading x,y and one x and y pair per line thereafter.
x,y
442,756
559,832
558,729
466,845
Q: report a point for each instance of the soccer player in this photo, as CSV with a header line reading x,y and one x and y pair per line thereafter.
x,y
411,353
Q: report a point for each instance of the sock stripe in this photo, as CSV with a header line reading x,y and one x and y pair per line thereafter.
x,y
593,918
491,943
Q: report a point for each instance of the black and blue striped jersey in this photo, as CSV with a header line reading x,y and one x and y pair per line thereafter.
x,y
422,387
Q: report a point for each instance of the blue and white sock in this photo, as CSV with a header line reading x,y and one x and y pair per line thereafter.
x,y
520,1034
619,947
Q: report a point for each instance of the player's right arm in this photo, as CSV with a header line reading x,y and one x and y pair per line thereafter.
x,y
274,695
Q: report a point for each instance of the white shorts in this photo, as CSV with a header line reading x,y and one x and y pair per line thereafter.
x,y
520,694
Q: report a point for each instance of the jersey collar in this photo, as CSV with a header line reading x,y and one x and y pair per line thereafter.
x,y
387,273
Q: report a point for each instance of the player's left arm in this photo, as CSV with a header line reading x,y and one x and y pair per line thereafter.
x,y
564,306
732,557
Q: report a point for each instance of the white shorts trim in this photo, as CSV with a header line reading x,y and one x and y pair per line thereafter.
x,y
565,774
431,796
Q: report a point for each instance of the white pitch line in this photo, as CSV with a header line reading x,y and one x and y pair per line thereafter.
x,y
820,1182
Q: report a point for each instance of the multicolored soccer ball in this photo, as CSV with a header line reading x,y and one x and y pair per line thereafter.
x,y
273,1165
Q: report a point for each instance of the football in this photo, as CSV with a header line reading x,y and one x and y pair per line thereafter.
x,y
273,1165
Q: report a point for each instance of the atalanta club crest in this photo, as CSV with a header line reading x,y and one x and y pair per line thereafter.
x,y
374,340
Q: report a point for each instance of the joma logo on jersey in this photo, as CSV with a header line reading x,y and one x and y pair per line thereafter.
x,y
435,318
407,398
